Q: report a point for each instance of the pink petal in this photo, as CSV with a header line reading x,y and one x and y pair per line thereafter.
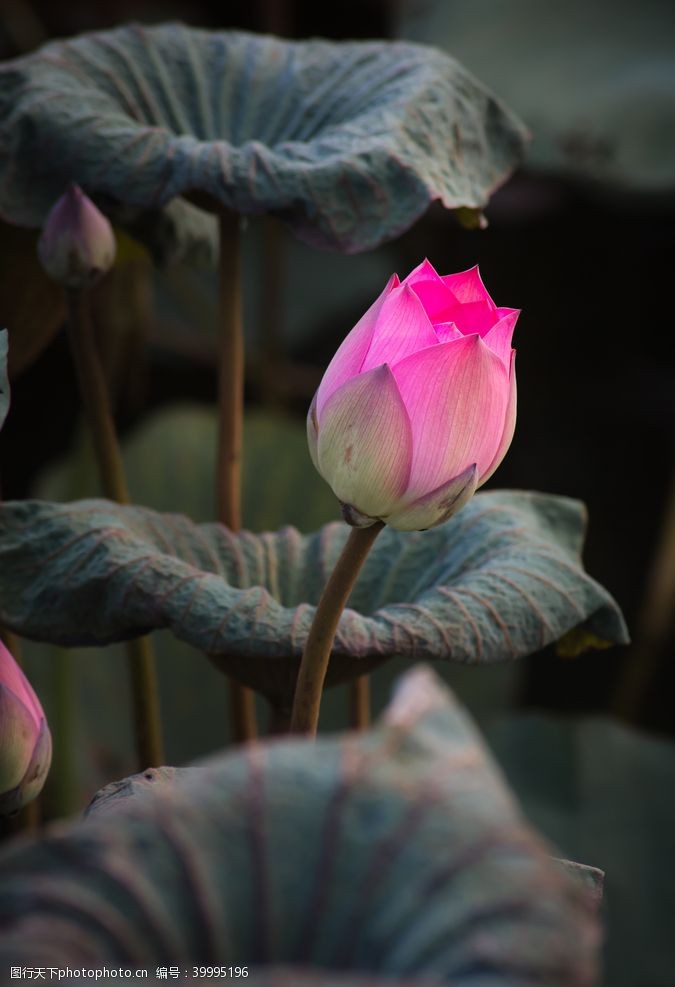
x,y
436,507
423,272
12,677
313,433
472,317
349,358
467,286
509,424
447,331
499,337
456,395
365,443
402,328
436,299
18,734
429,288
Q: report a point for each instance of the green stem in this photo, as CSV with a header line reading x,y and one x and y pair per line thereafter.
x,y
359,703
271,325
94,390
316,656
230,426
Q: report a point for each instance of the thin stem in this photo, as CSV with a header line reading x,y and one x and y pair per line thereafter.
x,y
145,692
271,326
359,703
94,390
230,426
316,656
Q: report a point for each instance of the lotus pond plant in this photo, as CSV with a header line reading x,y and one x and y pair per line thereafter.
x,y
25,739
396,854
418,407
332,138
413,414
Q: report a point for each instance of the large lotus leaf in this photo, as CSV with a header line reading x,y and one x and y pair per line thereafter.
x,y
4,379
347,142
500,580
605,793
594,81
398,851
169,465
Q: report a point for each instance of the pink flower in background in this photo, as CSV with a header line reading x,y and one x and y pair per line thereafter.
x,y
418,406
77,244
25,740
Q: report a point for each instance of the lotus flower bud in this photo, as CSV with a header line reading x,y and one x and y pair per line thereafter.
x,y
77,244
418,406
25,740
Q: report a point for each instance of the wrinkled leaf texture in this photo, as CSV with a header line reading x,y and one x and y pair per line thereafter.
x,y
347,142
397,852
500,580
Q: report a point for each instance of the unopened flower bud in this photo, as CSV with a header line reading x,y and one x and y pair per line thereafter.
x,y
418,406
77,245
25,740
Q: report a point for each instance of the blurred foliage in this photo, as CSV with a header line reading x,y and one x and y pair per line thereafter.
x,y
605,794
398,850
595,82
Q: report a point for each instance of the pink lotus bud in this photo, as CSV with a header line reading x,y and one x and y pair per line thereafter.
x,y
25,740
77,244
418,406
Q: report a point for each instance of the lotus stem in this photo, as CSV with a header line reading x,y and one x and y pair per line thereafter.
x,y
316,656
94,390
272,394
230,426
359,703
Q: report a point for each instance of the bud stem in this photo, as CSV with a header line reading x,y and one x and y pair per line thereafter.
x,y
316,656
94,390
230,426
359,703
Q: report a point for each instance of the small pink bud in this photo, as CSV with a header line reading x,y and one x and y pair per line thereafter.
x,y
77,245
25,740
418,406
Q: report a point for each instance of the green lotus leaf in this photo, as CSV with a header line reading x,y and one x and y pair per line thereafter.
x,y
500,580
397,852
4,379
347,142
